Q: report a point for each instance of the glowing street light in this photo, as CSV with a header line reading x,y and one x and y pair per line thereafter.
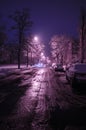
x,y
36,38
42,54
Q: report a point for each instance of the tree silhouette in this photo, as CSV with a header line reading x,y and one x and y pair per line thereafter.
x,y
82,35
22,24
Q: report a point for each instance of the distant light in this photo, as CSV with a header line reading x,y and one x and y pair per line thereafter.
x,y
43,57
36,38
39,65
42,54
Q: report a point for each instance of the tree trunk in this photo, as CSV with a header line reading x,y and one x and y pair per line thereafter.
x,y
82,36
19,48
19,58
27,59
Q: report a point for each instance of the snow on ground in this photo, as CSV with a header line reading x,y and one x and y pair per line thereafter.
x,y
11,73
61,76
5,69
11,66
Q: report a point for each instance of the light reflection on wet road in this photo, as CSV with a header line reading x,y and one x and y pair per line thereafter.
x,y
49,104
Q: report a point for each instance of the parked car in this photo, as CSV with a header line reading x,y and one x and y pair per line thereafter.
x,y
59,67
76,74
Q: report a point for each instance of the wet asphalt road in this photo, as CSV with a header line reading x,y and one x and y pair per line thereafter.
x,y
40,101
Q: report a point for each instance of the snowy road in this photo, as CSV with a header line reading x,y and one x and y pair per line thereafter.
x,y
43,101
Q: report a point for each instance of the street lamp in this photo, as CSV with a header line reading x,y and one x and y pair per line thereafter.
x,y
42,54
36,38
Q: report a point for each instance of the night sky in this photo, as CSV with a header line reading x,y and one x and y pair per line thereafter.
x,y
50,17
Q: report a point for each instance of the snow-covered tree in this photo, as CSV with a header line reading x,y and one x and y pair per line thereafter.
x,y
61,47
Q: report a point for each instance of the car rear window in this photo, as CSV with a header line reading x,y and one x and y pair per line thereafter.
x,y
80,67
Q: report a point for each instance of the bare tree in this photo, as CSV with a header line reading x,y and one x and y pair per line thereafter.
x,y
11,52
82,35
3,35
61,47
22,24
27,48
3,40
33,50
